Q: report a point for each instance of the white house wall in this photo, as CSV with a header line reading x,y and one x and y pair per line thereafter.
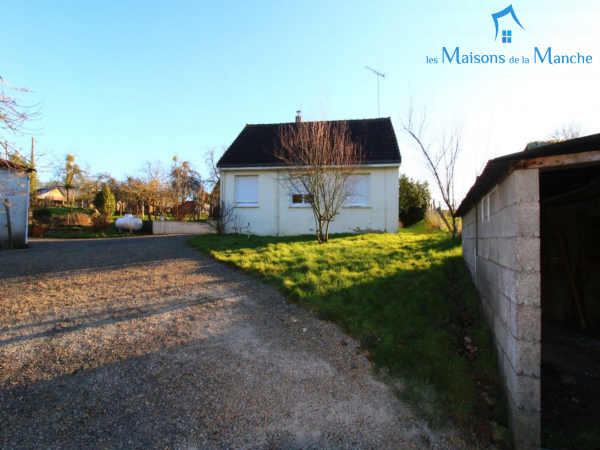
x,y
275,216
15,189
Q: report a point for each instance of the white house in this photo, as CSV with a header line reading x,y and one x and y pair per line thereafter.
x,y
14,202
251,175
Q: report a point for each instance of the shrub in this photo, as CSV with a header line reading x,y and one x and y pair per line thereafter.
x,y
100,222
105,201
42,215
414,197
72,219
81,219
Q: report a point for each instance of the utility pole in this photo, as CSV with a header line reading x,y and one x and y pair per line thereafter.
x,y
377,74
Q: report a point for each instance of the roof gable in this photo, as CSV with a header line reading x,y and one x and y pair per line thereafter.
x,y
255,146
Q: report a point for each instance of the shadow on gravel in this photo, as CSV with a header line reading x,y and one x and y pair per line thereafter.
x,y
55,256
112,316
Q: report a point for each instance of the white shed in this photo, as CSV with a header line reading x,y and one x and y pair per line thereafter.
x,y
14,203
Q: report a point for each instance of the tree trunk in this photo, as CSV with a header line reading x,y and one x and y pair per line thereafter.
x,y
8,224
453,227
327,231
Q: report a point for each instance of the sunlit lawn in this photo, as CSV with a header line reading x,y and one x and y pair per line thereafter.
x,y
391,291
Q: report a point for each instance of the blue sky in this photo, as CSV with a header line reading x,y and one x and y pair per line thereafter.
x,y
127,82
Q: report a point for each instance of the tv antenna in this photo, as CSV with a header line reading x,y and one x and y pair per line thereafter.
x,y
378,74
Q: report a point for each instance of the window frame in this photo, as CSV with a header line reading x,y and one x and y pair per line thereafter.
x,y
348,204
246,204
296,189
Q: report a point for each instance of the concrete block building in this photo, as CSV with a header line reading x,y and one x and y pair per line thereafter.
x,y
531,240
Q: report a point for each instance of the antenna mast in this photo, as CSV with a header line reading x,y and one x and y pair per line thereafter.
x,y
377,74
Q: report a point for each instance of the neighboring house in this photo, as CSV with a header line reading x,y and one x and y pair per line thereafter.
x,y
531,240
51,194
14,202
251,181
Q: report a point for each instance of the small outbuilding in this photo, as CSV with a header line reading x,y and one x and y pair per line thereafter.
x,y
51,195
14,203
531,240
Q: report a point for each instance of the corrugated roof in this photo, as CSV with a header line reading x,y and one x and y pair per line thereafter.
x,y
255,145
14,166
497,167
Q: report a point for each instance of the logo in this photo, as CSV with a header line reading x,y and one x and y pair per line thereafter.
x,y
452,54
506,34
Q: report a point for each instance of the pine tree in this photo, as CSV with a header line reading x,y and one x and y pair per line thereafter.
x,y
105,201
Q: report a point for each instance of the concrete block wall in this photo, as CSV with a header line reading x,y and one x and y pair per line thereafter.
x,y
501,247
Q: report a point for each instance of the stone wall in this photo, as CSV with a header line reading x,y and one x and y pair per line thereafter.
x,y
501,246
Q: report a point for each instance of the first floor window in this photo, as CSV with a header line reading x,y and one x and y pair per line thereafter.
x,y
246,190
360,190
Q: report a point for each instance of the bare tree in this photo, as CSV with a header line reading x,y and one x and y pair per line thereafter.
x,y
320,161
212,183
14,113
157,179
185,181
570,131
440,155
225,217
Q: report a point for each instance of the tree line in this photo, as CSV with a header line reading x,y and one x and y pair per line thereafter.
x,y
178,190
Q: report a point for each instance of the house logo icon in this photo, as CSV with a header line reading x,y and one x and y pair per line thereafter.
x,y
506,34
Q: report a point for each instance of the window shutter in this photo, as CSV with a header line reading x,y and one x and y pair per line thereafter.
x,y
246,190
361,192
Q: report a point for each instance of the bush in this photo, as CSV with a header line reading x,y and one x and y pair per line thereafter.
x,y
414,198
80,219
105,201
42,215
100,222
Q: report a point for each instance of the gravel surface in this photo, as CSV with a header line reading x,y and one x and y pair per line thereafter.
x,y
146,343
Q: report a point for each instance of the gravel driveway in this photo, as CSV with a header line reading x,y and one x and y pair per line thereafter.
x,y
145,343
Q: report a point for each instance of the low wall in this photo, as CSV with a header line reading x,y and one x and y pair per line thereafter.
x,y
501,247
173,227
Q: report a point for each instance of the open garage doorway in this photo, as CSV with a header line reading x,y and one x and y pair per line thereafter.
x,y
570,297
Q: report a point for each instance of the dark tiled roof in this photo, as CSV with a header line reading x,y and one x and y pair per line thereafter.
x,y
14,166
255,146
496,168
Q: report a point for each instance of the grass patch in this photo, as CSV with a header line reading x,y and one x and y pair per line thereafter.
x,y
88,233
390,291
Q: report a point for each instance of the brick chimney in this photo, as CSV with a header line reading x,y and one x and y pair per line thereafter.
x,y
298,116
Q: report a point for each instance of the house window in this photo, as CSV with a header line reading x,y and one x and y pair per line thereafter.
x,y
361,190
506,36
299,195
246,190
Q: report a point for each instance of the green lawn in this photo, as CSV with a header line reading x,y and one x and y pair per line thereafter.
x,y
402,295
